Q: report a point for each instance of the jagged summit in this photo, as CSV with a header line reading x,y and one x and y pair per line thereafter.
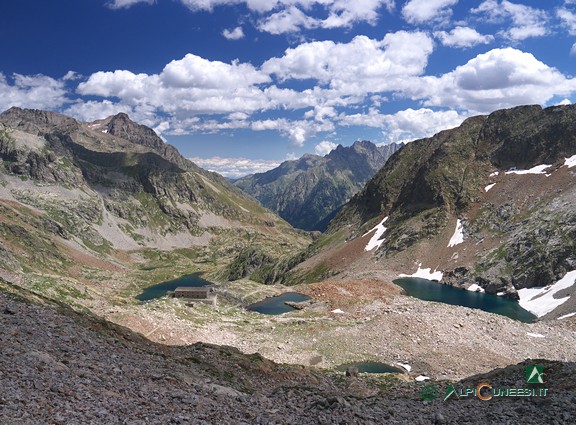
x,y
362,144
120,125
307,192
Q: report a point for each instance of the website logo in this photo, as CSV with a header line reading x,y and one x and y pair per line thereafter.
x,y
450,392
534,374
485,391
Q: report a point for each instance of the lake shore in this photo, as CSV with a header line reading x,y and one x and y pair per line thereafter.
x,y
356,320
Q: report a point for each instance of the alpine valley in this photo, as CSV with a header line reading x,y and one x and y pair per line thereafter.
x,y
93,213
308,192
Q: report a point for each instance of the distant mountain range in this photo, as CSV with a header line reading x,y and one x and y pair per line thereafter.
x,y
308,192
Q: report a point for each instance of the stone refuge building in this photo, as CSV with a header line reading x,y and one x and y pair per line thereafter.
x,y
192,294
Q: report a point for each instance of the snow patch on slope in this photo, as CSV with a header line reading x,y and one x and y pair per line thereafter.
x,y
570,162
405,366
458,236
375,241
425,274
540,301
490,186
538,169
475,288
566,316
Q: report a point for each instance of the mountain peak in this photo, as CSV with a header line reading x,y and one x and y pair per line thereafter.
x,y
120,125
122,119
33,118
307,192
122,116
363,143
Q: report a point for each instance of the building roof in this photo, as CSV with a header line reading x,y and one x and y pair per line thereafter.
x,y
192,289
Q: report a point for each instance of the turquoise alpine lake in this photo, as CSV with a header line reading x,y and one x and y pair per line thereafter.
x,y
430,290
277,305
370,367
158,291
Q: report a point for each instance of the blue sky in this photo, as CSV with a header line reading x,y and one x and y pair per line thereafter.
x,y
240,85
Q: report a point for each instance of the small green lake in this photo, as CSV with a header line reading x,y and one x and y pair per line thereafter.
x,y
158,291
277,305
370,367
429,290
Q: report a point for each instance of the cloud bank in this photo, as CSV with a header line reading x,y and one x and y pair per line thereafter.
x,y
235,168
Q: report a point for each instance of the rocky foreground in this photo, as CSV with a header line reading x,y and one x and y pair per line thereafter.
x,y
62,367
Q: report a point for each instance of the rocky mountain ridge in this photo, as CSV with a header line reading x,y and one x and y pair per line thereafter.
x,y
309,191
96,191
505,178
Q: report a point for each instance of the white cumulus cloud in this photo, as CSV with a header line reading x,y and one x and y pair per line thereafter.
x,y
121,4
189,85
285,16
204,125
568,19
344,13
427,11
71,76
498,79
525,21
359,67
195,71
324,147
120,84
288,20
296,131
32,91
234,34
419,123
463,37
408,124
